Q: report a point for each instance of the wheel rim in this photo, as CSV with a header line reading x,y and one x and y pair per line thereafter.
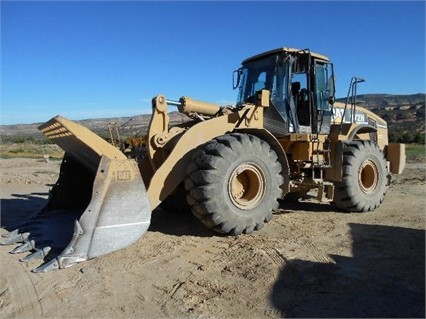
x,y
368,177
246,186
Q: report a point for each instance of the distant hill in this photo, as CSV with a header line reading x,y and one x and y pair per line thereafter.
x,y
389,100
128,126
404,113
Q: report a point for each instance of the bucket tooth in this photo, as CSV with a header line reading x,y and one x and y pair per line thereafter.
x,y
46,267
28,245
13,233
38,254
16,238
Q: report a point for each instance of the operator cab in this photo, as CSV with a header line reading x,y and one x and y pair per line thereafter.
x,y
301,85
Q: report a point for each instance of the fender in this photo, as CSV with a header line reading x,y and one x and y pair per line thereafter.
x,y
172,171
349,132
362,129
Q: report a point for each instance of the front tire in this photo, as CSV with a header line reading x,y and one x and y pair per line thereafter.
x,y
233,183
364,180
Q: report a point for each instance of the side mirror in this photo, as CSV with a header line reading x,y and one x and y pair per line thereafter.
x,y
236,78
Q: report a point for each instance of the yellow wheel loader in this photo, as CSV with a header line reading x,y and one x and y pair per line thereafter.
x,y
285,137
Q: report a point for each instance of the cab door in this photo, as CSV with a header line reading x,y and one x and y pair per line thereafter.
x,y
324,96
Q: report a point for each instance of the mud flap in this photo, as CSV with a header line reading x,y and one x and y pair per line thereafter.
x,y
98,205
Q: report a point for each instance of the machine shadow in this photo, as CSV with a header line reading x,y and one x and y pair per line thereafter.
x,y
177,219
174,217
178,224
15,211
288,206
384,278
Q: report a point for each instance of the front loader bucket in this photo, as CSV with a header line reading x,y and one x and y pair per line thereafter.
x,y
98,205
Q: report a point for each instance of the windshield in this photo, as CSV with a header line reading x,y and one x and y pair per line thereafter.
x,y
268,73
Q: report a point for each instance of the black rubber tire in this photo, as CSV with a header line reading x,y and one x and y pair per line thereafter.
x,y
227,165
365,178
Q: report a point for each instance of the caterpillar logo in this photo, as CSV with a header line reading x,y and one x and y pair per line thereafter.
x,y
123,175
359,117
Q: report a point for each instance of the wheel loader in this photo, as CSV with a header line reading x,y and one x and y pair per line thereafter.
x,y
285,136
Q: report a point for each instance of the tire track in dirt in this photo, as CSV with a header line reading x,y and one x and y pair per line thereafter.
x,y
300,239
197,254
177,270
19,297
276,256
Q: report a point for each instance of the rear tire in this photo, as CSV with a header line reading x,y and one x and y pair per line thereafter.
x,y
233,183
364,182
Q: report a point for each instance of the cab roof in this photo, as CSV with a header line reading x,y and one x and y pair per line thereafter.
x,y
284,49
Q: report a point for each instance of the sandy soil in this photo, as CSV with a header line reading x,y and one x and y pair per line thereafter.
x,y
308,261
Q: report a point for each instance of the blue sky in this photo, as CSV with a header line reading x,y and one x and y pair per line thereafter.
x,y
100,59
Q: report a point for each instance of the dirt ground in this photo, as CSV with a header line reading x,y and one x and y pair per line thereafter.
x,y
308,261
